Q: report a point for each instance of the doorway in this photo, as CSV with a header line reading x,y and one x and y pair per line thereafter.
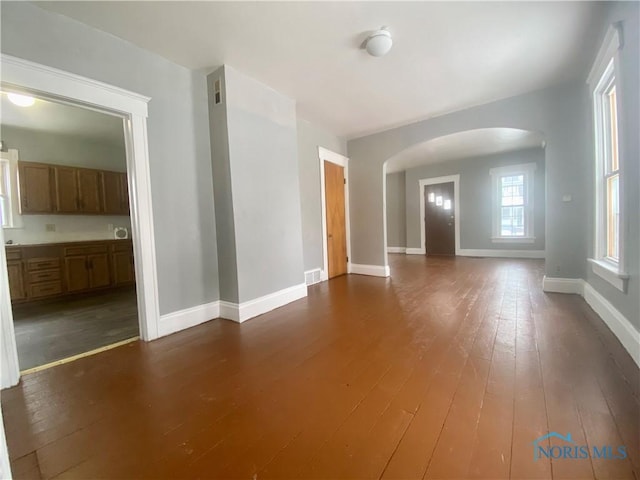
x,y
66,227
22,76
440,234
334,188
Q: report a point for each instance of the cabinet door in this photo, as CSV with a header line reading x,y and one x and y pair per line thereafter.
x,y
16,280
124,194
66,189
99,270
123,269
89,190
76,273
35,188
111,192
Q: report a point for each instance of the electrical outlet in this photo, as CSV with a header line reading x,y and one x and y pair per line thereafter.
x,y
110,227
50,227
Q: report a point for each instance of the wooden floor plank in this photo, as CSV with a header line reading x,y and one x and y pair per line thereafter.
x,y
450,369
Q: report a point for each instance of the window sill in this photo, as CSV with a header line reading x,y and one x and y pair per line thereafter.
x,y
513,239
609,272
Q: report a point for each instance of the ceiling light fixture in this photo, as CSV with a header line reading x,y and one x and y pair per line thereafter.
x,y
21,100
379,42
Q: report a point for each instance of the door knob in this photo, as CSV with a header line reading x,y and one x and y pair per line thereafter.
x,y
330,236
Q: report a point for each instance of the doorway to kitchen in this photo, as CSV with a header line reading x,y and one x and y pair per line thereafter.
x,y
66,225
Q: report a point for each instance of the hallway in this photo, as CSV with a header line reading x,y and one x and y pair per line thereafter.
x,y
451,368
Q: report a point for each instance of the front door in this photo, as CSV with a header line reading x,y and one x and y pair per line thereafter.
x,y
336,229
439,219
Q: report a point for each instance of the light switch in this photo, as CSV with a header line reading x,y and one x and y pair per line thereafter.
x,y
566,198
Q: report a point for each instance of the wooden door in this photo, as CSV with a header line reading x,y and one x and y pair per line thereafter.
x,y
89,190
66,189
35,188
336,230
16,280
98,270
111,192
76,273
440,233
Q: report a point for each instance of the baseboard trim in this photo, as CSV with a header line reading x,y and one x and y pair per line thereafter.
x,y
396,249
490,253
415,251
372,270
563,285
187,318
616,321
252,308
621,327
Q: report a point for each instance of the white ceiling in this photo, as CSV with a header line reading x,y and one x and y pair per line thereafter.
x,y
63,119
472,143
446,56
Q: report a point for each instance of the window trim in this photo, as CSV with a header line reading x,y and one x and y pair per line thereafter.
x,y
11,158
603,73
528,171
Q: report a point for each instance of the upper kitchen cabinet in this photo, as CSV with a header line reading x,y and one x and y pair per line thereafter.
x,y
115,195
89,190
66,189
35,187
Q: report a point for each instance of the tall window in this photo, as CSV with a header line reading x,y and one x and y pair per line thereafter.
x,y
608,249
513,203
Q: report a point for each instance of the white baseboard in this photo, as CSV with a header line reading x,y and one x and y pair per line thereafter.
x,y
620,326
416,251
396,249
563,285
617,323
252,308
490,253
187,318
373,270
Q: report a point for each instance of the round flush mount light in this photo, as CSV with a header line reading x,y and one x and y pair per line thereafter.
x,y
21,100
379,42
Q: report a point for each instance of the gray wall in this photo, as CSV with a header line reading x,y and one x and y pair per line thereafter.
x,y
396,210
628,88
476,198
179,149
310,137
62,149
559,113
264,200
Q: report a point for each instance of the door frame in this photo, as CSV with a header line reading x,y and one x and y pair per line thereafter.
x,y
456,208
333,157
50,83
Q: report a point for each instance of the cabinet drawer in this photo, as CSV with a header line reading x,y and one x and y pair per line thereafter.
x,y
44,275
42,263
14,254
45,289
85,250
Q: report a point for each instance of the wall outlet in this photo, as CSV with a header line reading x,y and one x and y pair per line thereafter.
x,y
50,227
110,227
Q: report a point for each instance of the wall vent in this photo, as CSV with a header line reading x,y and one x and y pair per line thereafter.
x,y
312,277
217,92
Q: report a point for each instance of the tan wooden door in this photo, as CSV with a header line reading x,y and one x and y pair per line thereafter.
x,y
336,230
439,219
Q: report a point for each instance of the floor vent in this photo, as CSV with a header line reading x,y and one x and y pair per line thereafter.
x,y
312,276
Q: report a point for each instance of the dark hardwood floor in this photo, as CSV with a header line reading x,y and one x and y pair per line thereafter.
x,y
449,369
46,332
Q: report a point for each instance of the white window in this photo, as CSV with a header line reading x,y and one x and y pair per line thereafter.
x,y
9,214
512,188
608,251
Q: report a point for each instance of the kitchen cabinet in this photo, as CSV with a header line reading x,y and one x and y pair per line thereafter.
x,y
53,270
61,189
36,187
115,194
17,289
86,267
